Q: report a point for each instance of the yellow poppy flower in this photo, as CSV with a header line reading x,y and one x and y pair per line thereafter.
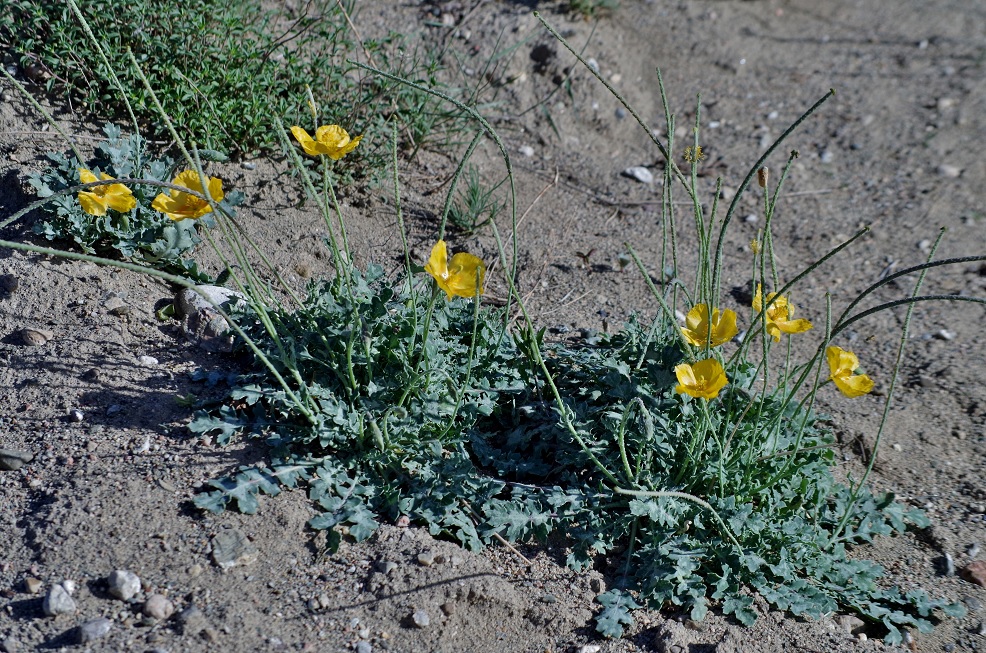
x,y
842,364
458,276
696,329
703,380
331,140
97,199
179,205
779,315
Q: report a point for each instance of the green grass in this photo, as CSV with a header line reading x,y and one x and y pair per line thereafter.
x,y
221,68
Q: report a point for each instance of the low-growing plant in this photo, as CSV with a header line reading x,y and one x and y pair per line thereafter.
x,y
685,458
476,206
221,69
128,225
592,8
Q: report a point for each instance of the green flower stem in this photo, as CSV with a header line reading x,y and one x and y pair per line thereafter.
x,y
804,273
668,311
426,328
890,393
329,191
469,362
322,202
178,281
403,231
40,109
454,182
903,302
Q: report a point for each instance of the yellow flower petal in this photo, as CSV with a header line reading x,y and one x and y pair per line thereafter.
x,y
696,329
779,315
97,199
92,203
703,380
842,364
459,277
179,205
307,144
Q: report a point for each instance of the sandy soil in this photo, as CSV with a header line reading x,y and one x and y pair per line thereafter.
x,y
895,149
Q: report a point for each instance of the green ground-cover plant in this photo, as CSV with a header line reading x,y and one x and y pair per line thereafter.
x,y
694,468
222,68
134,230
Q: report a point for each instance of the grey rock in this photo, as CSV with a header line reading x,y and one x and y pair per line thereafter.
x,y
640,173
147,361
32,585
57,601
116,306
421,619
69,586
192,621
157,606
10,645
35,337
363,647
231,548
123,584
8,285
386,566
13,459
76,415
949,171
851,623
426,559
201,322
94,629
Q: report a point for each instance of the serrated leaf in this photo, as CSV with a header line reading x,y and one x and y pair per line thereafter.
x,y
615,615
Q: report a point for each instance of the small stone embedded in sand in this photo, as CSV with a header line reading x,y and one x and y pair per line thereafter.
x,y
159,607
147,361
13,459
10,645
32,585
94,629
421,619
35,337
192,621
850,623
116,306
363,647
57,602
640,173
69,586
202,324
426,559
231,548
949,171
76,415
123,584
975,572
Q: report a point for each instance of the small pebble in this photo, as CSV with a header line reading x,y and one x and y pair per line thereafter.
x,y
949,565
363,647
32,585
57,602
69,586
159,607
248,165
116,306
945,334
975,572
590,648
76,415
973,550
620,112
751,219
35,337
421,619
195,570
950,171
826,157
448,608
526,150
773,115
386,566
10,645
94,629
426,559
231,548
640,173
123,584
